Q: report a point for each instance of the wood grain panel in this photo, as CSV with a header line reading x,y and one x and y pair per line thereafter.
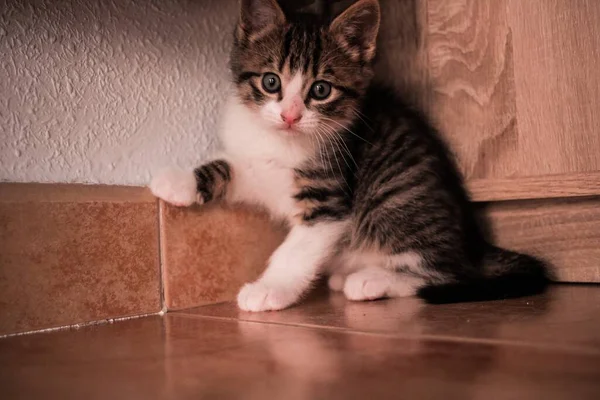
x,y
557,58
473,101
402,49
576,184
565,232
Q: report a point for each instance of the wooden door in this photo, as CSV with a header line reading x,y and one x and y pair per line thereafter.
x,y
514,86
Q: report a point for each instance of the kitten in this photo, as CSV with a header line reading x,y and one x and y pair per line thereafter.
x,y
369,190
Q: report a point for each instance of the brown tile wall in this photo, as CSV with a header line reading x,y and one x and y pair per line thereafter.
x,y
209,252
75,253
78,253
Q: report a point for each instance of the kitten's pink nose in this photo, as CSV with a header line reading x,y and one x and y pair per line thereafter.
x,y
291,118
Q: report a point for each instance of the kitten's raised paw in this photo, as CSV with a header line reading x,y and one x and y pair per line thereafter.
x,y
366,285
176,187
259,296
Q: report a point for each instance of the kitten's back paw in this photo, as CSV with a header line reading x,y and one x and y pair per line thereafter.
x,y
176,186
336,282
367,284
376,283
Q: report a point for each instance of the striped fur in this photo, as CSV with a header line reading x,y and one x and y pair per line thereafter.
x,y
370,190
212,180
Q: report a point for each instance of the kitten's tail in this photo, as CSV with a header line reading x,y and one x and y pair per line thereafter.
x,y
507,275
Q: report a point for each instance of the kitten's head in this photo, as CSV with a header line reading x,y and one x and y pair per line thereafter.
x,y
303,77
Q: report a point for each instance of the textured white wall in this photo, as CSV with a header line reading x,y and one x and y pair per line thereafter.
x,y
109,91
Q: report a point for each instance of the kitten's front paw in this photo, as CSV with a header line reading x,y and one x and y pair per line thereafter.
x,y
176,187
259,296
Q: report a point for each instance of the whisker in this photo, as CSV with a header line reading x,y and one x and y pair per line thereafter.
x,y
358,136
360,116
320,151
326,157
339,138
338,164
337,145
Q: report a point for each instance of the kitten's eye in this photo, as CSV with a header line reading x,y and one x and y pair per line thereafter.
x,y
271,83
320,90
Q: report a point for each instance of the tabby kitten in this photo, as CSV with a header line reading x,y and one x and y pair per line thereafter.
x,y
370,193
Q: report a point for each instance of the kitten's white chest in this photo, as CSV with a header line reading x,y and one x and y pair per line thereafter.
x,y
265,183
263,161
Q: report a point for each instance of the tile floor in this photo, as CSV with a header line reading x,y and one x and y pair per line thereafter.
x,y
546,347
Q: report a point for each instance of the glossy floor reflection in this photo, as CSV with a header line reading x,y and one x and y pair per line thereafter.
x,y
542,347
565,316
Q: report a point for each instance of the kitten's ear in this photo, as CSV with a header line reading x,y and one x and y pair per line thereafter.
x,y
356,29
258,17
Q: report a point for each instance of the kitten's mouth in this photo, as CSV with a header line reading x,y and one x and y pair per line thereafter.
x,y
290,130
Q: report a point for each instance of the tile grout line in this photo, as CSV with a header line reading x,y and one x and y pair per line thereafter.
x,y
440,338
79,325
161,263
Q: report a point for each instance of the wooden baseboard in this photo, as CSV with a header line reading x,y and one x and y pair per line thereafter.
x,y
566,232
578,184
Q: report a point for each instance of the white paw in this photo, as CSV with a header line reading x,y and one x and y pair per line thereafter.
x,y
336,282
364,285
176,187
259,296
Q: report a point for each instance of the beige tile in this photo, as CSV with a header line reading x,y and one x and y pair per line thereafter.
x,y
566,316
76,253
184,357
208,252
